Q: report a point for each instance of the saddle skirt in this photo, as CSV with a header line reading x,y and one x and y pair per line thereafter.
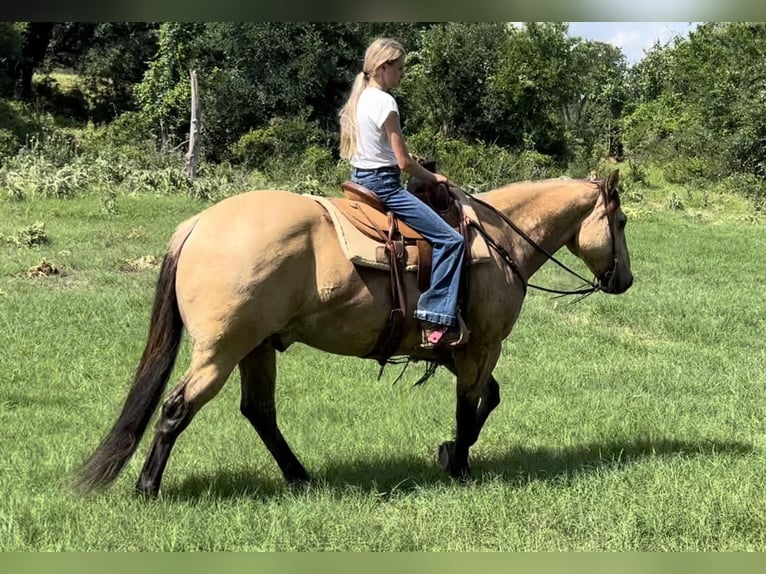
x,y
358,226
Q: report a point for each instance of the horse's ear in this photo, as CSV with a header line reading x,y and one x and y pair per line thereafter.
x,y
429,164
611,182
418,186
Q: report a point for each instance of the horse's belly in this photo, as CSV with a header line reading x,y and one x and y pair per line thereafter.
x,y
350,319
342,331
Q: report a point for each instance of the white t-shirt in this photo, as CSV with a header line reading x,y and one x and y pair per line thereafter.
x,y
373,148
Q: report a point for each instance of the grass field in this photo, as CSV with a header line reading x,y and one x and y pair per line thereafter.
x,y
628,423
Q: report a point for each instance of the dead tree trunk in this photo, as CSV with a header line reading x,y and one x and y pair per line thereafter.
x,y
191,160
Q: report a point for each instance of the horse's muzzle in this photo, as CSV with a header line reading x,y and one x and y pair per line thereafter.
x,y
616,280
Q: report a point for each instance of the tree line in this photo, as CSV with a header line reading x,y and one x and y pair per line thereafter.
x,y
695,105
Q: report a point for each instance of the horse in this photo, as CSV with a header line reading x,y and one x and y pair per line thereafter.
x,y
256,272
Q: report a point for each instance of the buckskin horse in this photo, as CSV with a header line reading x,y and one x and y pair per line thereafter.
x,y
256,272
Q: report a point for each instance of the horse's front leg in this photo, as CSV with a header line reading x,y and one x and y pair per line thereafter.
x,y
490,396
473,367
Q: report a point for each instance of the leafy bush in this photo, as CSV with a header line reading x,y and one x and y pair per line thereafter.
x,y
534,165
128,130
254,148
317,161
217,181
282,139
168,180
309,185
61,183
685,169
9,144
673,202
481,166
59,147
31,236
22,121
747,185
648,131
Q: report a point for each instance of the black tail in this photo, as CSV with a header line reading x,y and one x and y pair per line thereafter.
x,y
152,374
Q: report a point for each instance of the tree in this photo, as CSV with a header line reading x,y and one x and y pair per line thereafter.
x,y
709,91
36,37
11,40
536,80
448,80
253,72
110,57
592,116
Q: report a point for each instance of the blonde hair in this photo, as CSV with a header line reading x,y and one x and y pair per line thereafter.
x,y
381,51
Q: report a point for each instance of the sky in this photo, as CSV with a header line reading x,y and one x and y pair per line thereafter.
x,y
632,37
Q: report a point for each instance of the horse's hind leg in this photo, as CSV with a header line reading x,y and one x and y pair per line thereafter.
x,y
201,383
258,372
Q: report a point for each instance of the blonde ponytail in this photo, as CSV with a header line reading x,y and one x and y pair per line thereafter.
x,y
349,129
381,50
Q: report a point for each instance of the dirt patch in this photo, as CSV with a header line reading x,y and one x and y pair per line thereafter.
x,y
43,269
136,233
141,263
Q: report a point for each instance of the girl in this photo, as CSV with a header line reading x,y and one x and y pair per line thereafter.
x,y
371,138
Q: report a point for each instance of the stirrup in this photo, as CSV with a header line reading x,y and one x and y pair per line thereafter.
x,y
439,336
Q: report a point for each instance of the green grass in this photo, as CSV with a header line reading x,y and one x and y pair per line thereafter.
x,y
627,423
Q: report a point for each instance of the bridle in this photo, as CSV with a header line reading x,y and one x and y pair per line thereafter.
x,y
592,285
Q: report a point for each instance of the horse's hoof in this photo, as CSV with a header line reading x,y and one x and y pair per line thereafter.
x,y
298,478
447,462
147,489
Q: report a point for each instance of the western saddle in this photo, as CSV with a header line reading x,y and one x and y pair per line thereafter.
x,y
368,214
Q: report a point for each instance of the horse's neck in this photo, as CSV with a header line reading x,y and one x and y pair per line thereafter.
x,y
549,212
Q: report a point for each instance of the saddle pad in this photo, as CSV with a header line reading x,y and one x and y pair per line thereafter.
x,y
367,252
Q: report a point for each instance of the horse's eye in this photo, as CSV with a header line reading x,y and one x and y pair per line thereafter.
x,y
622,222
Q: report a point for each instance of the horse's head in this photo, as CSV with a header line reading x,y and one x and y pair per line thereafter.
x,y
600,240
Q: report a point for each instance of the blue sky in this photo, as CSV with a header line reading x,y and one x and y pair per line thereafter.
x,y
632,37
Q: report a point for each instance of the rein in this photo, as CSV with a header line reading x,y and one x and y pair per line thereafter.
x,y
592,286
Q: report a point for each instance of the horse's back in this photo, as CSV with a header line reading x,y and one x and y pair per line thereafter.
x,y
262,213
252,226
257,254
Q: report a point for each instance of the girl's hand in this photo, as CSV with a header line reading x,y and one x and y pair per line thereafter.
x,y
440,178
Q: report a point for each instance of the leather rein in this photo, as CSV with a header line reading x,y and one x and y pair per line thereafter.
x,y
592,286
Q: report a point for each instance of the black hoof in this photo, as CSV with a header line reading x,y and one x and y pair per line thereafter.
x,y
147,489
448,463
298,478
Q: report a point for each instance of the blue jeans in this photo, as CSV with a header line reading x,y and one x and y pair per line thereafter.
x,y
437,304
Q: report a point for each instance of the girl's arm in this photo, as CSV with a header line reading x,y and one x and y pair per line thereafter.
x,y
404,160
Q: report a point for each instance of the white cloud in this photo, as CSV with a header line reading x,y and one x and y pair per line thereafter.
x,y
633,38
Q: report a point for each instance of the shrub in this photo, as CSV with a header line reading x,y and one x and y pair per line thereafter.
x,y
317,161
673,202
31,236
167,180
217,181
481,166
684,169
9,144
254,148
747,185
22,120
281,139
131,129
